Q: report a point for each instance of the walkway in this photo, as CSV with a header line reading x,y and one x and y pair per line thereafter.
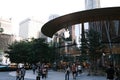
x,y
53,75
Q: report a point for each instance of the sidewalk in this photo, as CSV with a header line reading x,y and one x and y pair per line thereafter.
x,y
53,75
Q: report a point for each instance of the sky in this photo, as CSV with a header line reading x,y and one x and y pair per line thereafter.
x,y
19,10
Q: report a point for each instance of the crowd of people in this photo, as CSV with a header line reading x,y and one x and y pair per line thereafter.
x,y
74,69
40,70
112,73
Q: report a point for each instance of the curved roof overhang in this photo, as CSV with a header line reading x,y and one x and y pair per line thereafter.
x,y
52,26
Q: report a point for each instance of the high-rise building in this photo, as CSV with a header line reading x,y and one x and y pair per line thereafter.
x,y
6,25
53,16
6,33
6,38
31,28
91,4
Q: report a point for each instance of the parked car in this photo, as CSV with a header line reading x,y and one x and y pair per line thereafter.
x,y
4,67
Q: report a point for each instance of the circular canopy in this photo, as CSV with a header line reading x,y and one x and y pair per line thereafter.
x,y
99,14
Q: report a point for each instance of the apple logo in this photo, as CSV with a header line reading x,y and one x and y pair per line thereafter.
x,y
66,34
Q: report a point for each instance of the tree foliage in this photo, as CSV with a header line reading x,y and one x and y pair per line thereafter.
x,y
94,43
84,48
30,51
18,51
95,48
41,50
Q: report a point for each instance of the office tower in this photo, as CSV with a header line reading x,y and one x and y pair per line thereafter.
x,y
6,38
6,35
6,25
53,16
91,4
31,28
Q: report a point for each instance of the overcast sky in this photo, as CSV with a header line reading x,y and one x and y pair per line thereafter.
x,y
43,8
21,9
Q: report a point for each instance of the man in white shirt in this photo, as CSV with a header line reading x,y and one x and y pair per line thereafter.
x,y
79,69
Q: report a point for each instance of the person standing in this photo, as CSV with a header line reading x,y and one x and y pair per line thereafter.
x,y
67,72
110,72
23,71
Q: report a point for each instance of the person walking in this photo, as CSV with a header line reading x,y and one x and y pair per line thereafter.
x,y
23,71
18,74
44,73
74,71
39,72
110,72
67,72
79,69
33,68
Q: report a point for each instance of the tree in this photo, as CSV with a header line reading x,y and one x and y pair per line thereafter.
x,y
84,45
33,51
41,50
18,51
84,48
95,47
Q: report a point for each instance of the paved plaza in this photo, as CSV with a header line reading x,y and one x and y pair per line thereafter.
x,y
52,75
